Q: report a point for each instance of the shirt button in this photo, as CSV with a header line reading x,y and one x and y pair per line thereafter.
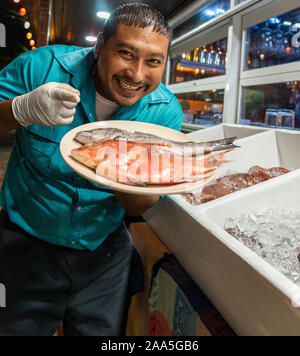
x,y
73,242
78,208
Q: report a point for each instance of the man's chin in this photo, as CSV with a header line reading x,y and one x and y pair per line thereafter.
x,y
123,101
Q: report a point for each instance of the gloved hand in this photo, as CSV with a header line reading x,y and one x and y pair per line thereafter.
x,y
52,104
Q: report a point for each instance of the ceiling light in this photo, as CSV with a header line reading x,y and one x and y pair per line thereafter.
x,y
103,14
91,38
210,12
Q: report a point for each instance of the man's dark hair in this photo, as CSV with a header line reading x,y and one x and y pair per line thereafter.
x,y
136,14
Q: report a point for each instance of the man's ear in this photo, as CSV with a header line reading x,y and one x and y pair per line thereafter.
x,y
99,44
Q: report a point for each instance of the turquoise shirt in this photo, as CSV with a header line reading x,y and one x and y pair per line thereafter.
x,y
40,192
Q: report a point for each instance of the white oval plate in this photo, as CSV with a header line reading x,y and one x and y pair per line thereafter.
x,y
68,143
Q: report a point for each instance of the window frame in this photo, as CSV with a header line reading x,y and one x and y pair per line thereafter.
x,y
233,24
268,75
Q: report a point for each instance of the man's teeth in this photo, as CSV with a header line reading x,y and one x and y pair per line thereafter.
x,y
127,86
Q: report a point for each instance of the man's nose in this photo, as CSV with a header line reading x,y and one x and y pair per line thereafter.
x,y
136,72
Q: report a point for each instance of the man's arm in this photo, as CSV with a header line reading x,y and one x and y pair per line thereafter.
x,y
136,205
7,120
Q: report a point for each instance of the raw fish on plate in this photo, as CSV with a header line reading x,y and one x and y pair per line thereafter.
x,y
105,134
143,164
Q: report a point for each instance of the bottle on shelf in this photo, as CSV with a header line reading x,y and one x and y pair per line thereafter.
x,y
286,118
271,117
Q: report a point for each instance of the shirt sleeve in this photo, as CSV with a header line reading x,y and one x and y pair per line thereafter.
x,y
17,78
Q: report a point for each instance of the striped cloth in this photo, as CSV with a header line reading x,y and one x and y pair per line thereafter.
x,y
177,305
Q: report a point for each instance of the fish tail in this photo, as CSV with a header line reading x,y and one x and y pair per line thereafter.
x,y
217,145
219,159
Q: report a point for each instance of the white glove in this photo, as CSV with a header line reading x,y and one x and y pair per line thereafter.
x,y
52,104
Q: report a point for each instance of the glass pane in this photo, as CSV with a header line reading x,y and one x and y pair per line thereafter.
x,y
203,62
275,41
275,105
203,107
206,13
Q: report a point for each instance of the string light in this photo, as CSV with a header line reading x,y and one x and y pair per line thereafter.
x,y
22,11
32,42
29,36
26,25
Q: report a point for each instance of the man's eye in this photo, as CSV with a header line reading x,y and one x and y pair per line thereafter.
x,y
125,53
155,61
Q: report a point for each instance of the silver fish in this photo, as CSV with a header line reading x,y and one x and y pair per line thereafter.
x,y
105,134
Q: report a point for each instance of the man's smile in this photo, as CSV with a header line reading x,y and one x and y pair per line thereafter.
x,y
128,89
126,85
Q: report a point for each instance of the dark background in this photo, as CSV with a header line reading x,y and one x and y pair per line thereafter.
x,y
71,21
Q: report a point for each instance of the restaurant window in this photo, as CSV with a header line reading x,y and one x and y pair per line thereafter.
x,y
203,62
206,13
202,107
272,105
275,41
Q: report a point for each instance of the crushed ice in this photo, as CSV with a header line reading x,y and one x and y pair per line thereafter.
x,y
274,235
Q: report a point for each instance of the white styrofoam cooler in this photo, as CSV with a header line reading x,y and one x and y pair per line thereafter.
x,y
252,296
267,295
225,131
267,149
271,148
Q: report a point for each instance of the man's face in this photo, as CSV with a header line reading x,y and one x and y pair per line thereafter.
x,y
130,64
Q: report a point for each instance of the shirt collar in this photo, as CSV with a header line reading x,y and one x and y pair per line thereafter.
x,y
132,112
79,64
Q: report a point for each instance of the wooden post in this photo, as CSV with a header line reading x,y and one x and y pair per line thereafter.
x,y
44,23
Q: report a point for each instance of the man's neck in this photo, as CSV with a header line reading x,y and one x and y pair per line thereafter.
x,y
99,86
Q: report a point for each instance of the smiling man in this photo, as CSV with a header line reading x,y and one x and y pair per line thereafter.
x,y
130,63
65,254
